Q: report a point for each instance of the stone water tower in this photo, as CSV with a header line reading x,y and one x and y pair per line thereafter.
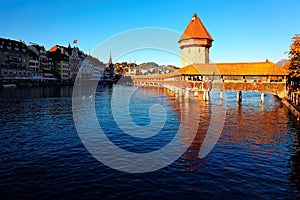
x,y
195,43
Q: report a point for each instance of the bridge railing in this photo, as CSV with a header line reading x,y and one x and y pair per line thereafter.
x,y
294,97
275,88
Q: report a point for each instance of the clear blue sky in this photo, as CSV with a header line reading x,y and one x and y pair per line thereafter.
x,y
243,30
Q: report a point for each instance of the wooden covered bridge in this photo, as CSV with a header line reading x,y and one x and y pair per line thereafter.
x,y
264,77
198,75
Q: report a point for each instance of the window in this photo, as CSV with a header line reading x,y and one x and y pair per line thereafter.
x,y
189,51
17,48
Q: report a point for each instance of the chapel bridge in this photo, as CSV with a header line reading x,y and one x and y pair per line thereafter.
x,y
196,79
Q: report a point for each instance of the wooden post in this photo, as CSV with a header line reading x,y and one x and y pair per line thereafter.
x,y
294,97
206,95
180,92
262,97
196,93
176,90
221,94
186,94
239,96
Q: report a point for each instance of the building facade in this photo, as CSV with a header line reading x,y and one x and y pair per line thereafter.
x,y
66,61
34,62
76,60
14,59
60,58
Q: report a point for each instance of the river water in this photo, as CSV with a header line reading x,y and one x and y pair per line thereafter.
x,y
42,156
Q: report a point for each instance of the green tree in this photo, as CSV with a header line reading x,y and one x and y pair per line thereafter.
x,y
294,55
120,70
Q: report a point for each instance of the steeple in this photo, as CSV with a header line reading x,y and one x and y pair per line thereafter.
x,y
109,71
110,59
195,43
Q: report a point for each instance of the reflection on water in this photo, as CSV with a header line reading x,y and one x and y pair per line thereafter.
x,y
41,156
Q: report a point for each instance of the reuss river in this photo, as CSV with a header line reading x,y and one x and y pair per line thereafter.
x,y
42,157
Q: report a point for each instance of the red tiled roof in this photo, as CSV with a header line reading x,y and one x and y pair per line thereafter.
x,y
227,69
251,68
195,30
54,48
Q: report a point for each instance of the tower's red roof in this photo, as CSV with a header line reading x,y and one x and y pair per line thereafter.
x,y
195,30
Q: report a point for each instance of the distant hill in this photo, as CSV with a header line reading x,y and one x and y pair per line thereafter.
x,y
144,68
282,62
148,65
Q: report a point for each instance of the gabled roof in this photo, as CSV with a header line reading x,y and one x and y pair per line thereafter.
x,y
54,48
195,30
34,50
234,69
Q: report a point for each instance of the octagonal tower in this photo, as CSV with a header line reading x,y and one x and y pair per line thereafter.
x,y
195,43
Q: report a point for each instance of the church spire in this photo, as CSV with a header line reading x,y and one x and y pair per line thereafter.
x,y
110,59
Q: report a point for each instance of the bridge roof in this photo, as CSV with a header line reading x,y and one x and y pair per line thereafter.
x,y
227,69
235,69
195,30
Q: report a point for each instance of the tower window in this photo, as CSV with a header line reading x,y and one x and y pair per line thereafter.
x,y
199,50
189,51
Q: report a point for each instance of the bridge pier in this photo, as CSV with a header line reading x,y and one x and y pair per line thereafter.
x,y
262,107
196,93
177,92
206,95
262,97
239,96
171,88
174,89
186,94
221,94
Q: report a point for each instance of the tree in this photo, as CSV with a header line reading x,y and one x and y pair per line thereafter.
x,y
294,55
